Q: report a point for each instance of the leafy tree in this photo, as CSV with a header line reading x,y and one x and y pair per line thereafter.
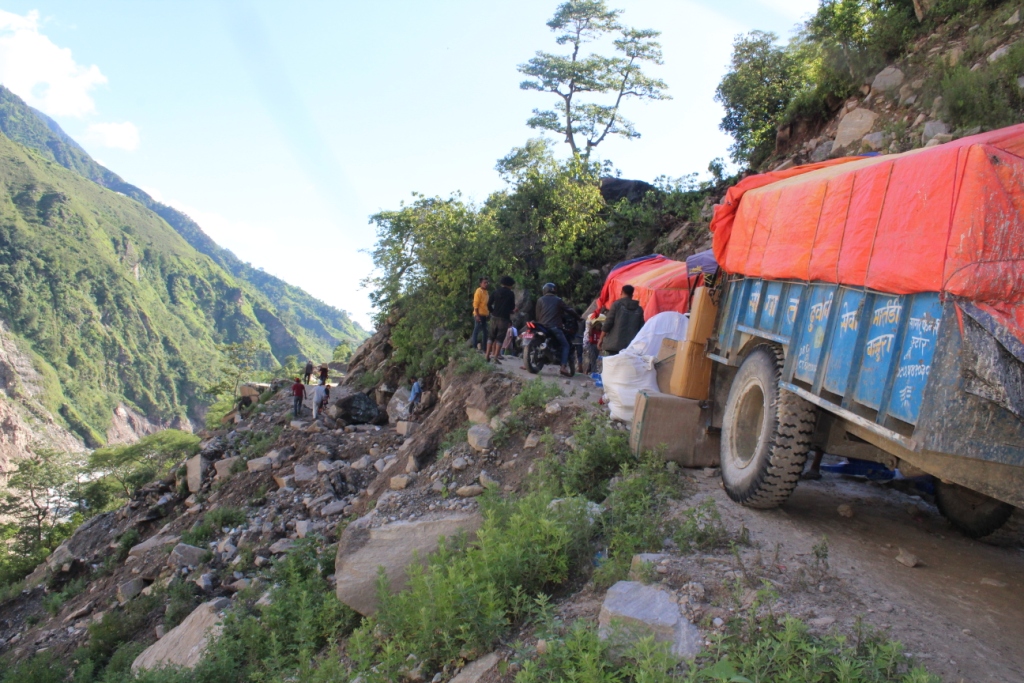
x,y
134,465
575,76
762,79
38,495
239,362
342,352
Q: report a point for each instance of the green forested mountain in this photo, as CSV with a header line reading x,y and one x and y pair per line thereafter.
x,y
297,323
112,303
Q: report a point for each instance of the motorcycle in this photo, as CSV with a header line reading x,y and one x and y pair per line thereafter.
x,y
543,348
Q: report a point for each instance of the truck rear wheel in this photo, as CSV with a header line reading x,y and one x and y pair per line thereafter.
x,y
766,433
973,513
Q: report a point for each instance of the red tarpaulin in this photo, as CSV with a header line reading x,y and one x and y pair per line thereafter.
x,y
940,219
660,283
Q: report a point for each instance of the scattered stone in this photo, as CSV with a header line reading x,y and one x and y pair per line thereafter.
x,y
327,466
487,480
480,437
875,141
184,644
845,510
553,408
129,589
532,441
406,428
282,546
459,464
475,671
223,468
854,126
157,541
400,482
437,486
195,468
822,622
887,79
933,128
718,622
303,474
362,463
160,631
298,424
497,423
907,559
205,582
393,546
185,555
996,583
998,54
570,442
642,560
647,610
1014,19
335,508
822,152
357,409
284,481
303,527
266,462
470,491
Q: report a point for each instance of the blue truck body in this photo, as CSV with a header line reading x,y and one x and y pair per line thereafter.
x,y
889,366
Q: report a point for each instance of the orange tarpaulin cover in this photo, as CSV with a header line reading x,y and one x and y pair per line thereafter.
x,y
940,219
660,284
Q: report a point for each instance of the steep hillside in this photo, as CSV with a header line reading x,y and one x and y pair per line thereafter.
x,y
297,323
109,303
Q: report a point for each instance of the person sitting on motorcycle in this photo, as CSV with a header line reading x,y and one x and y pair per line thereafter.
x,y
549,312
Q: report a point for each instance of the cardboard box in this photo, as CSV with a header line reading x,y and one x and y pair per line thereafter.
x,y
664,363
703,312
672,426
691,375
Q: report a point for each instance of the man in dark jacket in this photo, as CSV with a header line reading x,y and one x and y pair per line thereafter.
x,y
502,304
622,322
550,311
308,372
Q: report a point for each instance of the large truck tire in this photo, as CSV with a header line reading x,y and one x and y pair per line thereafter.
x,y
973,514
766,433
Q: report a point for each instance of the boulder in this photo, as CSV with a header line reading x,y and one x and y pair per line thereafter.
x,y
476,670
400,482
185,555
129,589
335,508
157,541
196,467
223,467
362,549
633,610
304,474
398,406
471,491
553,408
477,405
532,441
822,152
854,126
406,428
888,78
357,408
933,128
282,546
480,437
875,140
284,481
303,527
184,644
268,461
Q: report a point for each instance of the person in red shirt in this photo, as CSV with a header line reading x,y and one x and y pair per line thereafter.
x,y
298,393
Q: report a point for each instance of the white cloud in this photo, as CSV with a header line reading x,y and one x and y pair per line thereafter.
x,y
116,135
43,74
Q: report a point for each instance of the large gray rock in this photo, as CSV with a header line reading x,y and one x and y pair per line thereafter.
x,y
196,468
266,462
129,589
480,437
223,467
888,78
304,474
398,406
933,128
822,151
357,409
854,126
633,610
476,670
185,644
363,548
185,555
477,405
157,541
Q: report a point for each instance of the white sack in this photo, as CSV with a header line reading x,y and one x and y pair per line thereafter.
x,y
624,374
666,325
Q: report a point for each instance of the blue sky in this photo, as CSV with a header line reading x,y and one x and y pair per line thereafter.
x,y
281,127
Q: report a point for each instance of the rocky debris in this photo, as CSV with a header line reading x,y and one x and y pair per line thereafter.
x,y
476,670
357,409
995,583
470,491
303,527
394,545
129,589
196,467
532,440
641,562
303,474
487,480
845,510
185,555
400,482
223,467
887,79
478,405
480,437
156,541
822,151
284,481
853,127
362,463
459,464
406,428
907,558
184,644
205,582
632,610
999,54
553,408
335,508
282,546
875,141
398,406
933,129
267,461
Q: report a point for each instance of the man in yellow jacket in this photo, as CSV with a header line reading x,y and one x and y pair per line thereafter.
x,y
480,314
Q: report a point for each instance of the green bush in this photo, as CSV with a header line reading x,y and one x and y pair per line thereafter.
x,y
182,598
259,443
988,97
600,452
40,668
701,528
535,394
54,601
212,523
468,595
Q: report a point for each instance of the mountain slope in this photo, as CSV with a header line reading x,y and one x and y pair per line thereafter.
x,y
297,323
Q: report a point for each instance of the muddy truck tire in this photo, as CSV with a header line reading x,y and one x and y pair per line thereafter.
x,y
766,433
973,514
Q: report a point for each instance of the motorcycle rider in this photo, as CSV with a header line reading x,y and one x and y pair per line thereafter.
x,y
549,313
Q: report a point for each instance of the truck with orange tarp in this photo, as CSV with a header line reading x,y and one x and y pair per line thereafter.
x,y
873,307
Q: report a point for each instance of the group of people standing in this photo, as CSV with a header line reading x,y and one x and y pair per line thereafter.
x,y
609,335
321,392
